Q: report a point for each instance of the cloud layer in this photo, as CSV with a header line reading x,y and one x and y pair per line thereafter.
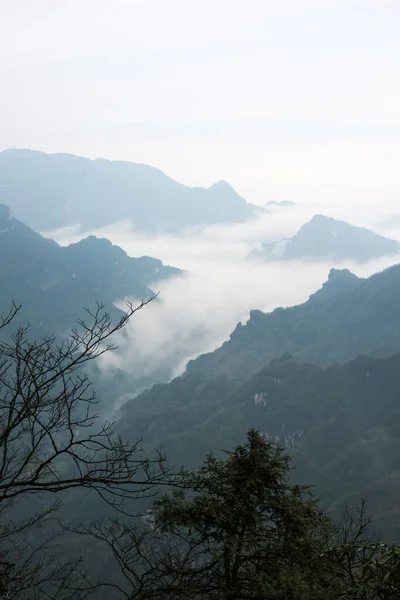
x,y
197,312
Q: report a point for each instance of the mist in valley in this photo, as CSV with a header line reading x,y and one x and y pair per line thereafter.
x,y
196,312
222,159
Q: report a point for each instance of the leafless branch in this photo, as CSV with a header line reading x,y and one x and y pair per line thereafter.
x,y
51,441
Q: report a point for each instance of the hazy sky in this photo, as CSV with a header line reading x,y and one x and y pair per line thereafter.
x,y
285,99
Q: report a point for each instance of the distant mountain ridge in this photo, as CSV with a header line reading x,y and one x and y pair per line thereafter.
x,y
49,191
54,283
325,238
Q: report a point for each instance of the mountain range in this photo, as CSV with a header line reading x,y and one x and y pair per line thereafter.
x,y
348,316
340,424
49,191
331,399
324,238
321,378
54,283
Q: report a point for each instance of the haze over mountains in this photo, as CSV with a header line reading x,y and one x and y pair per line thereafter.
x,y
191,316
326,238
55,283
298,373
49,191
199,300
346,317
281,204
341,422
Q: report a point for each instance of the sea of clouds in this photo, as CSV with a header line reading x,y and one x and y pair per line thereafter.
x,y
196,312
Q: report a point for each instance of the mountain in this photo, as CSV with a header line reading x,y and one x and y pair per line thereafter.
x,y
346,317
49,191
341,424
326,238
54,283
340,421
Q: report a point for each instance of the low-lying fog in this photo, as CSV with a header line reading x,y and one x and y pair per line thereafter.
x,y
197,312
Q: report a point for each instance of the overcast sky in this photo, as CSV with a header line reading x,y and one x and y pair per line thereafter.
x,y
285,99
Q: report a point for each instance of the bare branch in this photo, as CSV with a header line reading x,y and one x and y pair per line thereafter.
x,y
51,441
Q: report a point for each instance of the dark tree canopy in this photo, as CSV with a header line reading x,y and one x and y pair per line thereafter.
x,y
239,531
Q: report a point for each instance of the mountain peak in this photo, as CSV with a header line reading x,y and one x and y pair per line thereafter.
x,y
341,275
221,184
54,282
223,187
93,240
339,280
326,238
102,248
321,220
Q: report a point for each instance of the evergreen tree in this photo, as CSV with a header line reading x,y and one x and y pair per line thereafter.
x,y
239,531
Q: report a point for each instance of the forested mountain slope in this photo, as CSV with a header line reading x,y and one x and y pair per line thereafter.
x,y
340,423
347,317
55,283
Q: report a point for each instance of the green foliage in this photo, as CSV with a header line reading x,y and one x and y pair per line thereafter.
x,y
245,531
369,571
239,529
341,425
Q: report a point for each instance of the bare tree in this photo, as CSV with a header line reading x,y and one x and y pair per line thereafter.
x,y
51,441
141,557
358,563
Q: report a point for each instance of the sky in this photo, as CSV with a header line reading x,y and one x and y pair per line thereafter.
x,y
291,100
